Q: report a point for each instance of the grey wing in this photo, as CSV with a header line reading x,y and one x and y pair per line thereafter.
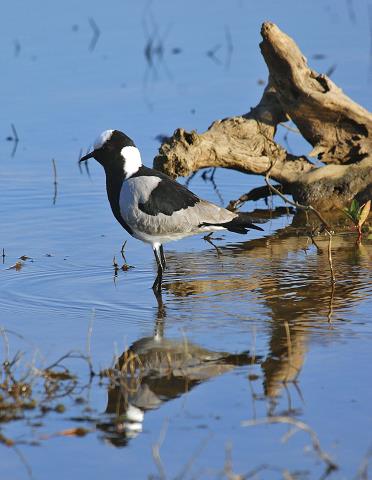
x,y
154,222
188,220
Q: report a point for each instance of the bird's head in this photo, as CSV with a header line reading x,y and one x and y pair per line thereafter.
x,y
114,150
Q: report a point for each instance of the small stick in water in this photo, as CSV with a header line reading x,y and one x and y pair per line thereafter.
x,y
80,155
14,139
96,34
55,181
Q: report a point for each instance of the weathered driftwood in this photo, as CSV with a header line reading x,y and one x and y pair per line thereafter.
x,y
339,130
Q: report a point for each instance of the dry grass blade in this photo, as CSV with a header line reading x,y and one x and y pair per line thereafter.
x,y
192,459
363,468
55,183
6,344
324,456
228,466
333,278
156,451
73,432
17,266
15,139
68,432
306,208
96,34
289,347
23,461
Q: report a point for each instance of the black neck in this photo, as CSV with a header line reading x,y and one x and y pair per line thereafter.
x,y
114,182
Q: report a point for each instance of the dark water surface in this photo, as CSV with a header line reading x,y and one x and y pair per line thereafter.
x,y
256,333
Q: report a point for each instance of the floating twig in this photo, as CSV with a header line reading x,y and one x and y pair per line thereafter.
x,y
122,251
229,47
4,335
307,208
14,139
17,47
210,178
286,142
89,341
197,452
211,53
291,129
125,267
96,34
24,462
255,194
79,164
188,180
318,56
153,51
299,425
296,204
333,278
17,266
331,70
351,11
72,354
86,166
331,299
68,432
116,266
363,468
55,183
289,347
156,451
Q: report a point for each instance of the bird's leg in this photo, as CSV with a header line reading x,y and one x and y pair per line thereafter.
x,y
159,325
157,253
157,284
162,258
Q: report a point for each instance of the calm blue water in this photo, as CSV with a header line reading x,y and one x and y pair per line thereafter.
x,y
60,94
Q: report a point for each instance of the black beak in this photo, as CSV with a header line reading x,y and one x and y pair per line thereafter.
x,y
87,157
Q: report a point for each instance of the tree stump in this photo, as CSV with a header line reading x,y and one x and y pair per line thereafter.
x,y
339,130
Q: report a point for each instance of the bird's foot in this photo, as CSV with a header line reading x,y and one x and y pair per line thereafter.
x,y
116,266
208,238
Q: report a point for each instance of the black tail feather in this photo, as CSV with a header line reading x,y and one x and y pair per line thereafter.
x,y
240,224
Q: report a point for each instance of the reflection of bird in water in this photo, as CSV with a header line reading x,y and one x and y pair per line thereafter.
x,y
294,286
154,370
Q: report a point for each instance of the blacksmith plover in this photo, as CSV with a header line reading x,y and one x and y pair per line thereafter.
x,y
151,206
